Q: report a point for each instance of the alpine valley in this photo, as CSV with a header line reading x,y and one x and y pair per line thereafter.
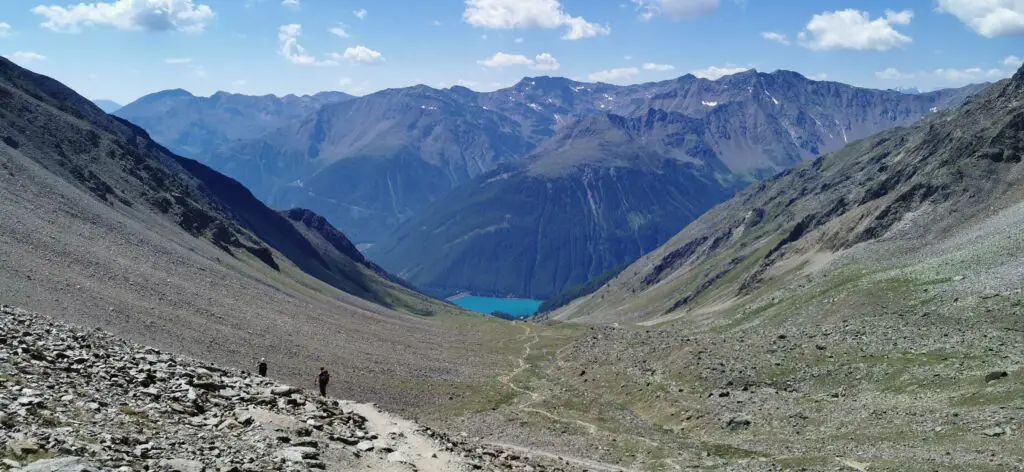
x,y
529,190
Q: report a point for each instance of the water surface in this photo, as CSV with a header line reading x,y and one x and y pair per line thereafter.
x,y
517,307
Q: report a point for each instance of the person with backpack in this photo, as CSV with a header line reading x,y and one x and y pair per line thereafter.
x,y
322,380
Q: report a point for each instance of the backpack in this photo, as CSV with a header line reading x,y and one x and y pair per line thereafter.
x,y
324,377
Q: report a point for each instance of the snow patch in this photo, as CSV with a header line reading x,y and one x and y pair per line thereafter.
x,y
535,106
934,109
709,104
771,97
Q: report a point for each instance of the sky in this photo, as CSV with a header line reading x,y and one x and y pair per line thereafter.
x,y
124,49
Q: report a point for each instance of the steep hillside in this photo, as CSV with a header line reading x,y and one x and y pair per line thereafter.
x,y
104,227
604,191
894,198
196,127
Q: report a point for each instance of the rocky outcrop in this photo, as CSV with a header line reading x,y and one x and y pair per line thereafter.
x,y
83,400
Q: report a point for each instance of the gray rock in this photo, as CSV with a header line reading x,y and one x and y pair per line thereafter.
x,y
23,447
738,422
365,446
996,375
995,431
63,464
182,465
284,390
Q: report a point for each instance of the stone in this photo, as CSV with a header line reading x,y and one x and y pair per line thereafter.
x,y
398,457
995,431
737,422
62,464
23,447
182,465
996,375
365,446
297,454
283,390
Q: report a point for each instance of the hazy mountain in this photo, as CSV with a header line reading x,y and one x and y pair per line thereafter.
x,y
605,190
745,126
368,164
108,106
194,126
931,201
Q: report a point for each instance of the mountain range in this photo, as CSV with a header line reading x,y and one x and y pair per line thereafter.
x,y
108,106
393,167
939,196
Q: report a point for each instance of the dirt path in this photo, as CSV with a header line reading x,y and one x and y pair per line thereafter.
x,y
413,450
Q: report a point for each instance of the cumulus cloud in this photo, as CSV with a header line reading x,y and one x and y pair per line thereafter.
x,y
500,60
855,30
289,47
545,61
513,14
130,15
1013,61
988,18
5,30
360,13
291,3
715,73
621,74
819,77
950,76
26,57
675,9
658,67
363,54
339,30
780,38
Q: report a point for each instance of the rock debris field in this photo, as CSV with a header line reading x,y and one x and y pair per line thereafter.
x,y
75,400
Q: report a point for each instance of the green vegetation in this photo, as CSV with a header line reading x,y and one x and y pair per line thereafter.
x,y
578,291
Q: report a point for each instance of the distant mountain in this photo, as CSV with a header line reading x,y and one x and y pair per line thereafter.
x,y
55,136
606,189
370,163
108,106
195,127
907,90
919,206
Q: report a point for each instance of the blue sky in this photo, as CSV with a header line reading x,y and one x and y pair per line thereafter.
x,y
123,49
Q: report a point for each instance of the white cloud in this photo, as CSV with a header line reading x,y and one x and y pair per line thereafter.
x,y
177,60
25,57
715,73
291,3
1013,61
989,18
675,9
545,61
360,13
513,14
892,73
819,77
777,37
614,75
131,15
363,54
339,30
344,81
288,40
500,60
658,67
946,76
5,30
853,29
199,71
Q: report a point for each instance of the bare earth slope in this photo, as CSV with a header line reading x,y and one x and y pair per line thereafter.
x,y
105,228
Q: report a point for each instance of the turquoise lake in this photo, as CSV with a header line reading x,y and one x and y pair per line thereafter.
x,y
517,307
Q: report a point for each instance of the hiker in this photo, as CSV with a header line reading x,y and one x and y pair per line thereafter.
x,y
262,367
322,380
